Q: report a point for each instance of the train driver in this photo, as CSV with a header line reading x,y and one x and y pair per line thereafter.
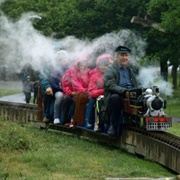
x,y
118,77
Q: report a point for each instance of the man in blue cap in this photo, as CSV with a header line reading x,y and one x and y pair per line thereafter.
x,y
117,78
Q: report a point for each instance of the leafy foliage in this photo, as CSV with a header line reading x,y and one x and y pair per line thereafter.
x,y
94,18
167,13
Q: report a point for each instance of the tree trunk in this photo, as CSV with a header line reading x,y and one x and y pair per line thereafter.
x,y
174,72
179,76
164,69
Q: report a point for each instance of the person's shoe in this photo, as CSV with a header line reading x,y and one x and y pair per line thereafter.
x,y
67,124
56,121
100,130
111,131
71,123
89,126
46,120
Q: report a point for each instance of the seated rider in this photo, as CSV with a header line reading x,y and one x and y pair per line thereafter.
x,y
96,88
75,83
51,88
118,77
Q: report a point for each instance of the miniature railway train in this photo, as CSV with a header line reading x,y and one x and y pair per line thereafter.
x,y
142,108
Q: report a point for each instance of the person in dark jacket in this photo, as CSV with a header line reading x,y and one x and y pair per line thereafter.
x,y
51,87
117,78
47,93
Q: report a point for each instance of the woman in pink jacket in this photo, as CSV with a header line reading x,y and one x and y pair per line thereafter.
x,y
75,85
96,88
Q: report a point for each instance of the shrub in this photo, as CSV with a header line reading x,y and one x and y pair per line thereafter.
x,y
14,137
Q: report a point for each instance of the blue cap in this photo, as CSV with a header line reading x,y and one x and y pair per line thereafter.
x,y
122,49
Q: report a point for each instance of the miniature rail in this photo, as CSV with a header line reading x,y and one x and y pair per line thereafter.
x,y
161,147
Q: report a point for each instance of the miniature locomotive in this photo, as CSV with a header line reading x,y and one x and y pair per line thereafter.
x,y
144,107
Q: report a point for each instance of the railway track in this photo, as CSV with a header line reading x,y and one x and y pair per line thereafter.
x,y
161,147
162,136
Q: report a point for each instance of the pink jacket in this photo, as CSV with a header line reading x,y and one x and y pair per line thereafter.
x,y
96,83
75,80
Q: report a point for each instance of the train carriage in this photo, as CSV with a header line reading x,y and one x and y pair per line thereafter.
x,y
142,108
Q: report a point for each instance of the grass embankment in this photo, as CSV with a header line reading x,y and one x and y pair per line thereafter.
x,y
28,153
175,129
173,104
6,92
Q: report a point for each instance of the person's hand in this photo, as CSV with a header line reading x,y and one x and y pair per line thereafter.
x,y
49,91
73,94
124,93
99,85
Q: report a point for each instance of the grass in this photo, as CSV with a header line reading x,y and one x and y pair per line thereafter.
x,y
173,104
28,153
6,92
175,129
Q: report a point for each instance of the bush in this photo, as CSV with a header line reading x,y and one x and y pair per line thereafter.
x,y
14,137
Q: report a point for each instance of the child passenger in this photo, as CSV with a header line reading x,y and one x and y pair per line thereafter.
x,y
96,89
75,85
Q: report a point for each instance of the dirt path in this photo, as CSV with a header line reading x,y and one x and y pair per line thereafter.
x,y
19,98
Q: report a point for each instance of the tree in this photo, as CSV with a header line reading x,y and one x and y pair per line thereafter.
x,y
93,18
167,13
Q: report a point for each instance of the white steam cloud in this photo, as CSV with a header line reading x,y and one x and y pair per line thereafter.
x,y
21,43
150,76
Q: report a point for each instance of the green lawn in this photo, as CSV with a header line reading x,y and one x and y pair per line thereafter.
x,y
6,92
29,153
173,104
175,129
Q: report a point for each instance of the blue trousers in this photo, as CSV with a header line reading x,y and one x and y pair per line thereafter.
x,y
90,112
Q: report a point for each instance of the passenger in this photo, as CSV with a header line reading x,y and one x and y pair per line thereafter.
x,y
51,88
47,94
75,84
28,88
96,89
63,60
117,78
